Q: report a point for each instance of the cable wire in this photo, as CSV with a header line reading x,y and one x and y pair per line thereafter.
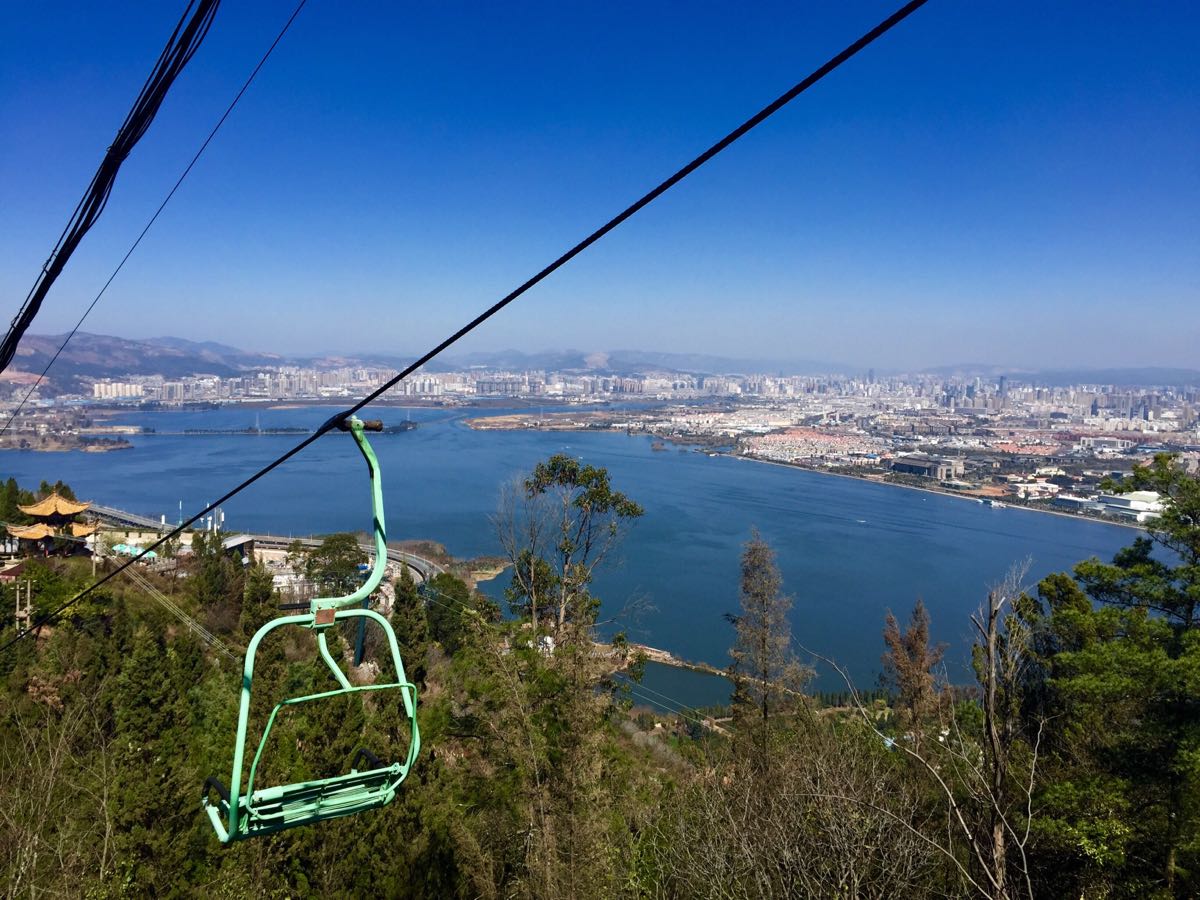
x,y
336,420
187,170
185,40
170,606
679,708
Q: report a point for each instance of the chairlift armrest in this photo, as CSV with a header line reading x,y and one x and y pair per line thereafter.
x,y
213,783
363,753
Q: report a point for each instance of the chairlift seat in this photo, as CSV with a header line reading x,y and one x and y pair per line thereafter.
x,y
275,808
236,814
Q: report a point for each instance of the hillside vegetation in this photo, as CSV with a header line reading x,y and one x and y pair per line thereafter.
x,y
1069,769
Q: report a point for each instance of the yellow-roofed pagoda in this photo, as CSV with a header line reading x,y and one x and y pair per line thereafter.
x,y
56,517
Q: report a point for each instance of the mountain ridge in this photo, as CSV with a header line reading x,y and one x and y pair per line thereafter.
x,y
89,357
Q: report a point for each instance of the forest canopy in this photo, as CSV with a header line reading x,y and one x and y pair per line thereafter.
x,y
1067,767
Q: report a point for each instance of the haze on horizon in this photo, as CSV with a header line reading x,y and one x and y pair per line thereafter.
x,y
1013,184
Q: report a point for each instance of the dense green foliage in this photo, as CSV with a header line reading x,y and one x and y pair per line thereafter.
x,y
333,566
1117,683
1070,770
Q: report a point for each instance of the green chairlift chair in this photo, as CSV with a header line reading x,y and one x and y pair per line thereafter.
x,y
369,783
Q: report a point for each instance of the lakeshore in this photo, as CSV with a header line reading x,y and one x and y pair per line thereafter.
x,y
62,444
590,422
942,492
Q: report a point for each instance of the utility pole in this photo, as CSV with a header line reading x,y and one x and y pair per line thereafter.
x,y
24,614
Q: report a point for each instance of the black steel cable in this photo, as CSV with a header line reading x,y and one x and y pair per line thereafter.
x,y
204,146
335,421
185,40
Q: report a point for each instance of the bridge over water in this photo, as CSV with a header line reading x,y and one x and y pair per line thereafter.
x,y
112,516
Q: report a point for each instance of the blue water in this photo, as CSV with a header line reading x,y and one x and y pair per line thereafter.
x,y
849,550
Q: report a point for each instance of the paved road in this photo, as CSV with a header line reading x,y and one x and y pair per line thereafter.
x,y
424,569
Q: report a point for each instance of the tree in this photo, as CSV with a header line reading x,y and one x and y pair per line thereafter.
x,y
54,751
1156,651
1090,684
411,623
1002,657
840,819
449,605
532,692
216,581
984,764
45,489
1119,659
334,563
152,771
259,604
297,555
908,668
10,496
1168,584
804,805
556,527
766,675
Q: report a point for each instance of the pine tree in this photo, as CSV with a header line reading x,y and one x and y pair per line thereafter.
x,y
216,581
411,624
10,496
259,603
449,604
259,606
153,779
766,674
334,564
908,668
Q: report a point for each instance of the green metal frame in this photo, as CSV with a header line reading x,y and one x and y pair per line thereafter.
x,y
238,816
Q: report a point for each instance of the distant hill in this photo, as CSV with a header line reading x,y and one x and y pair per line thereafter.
x,y
968,370
221,354
92,356
1133,376
705,364
633,361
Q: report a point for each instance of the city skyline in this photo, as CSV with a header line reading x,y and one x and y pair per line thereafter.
x,y
995,183
870,424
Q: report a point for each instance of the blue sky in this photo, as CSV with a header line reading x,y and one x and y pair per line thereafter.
x,y
1010,183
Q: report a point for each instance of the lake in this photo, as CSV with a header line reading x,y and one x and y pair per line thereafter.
x,y
849,550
